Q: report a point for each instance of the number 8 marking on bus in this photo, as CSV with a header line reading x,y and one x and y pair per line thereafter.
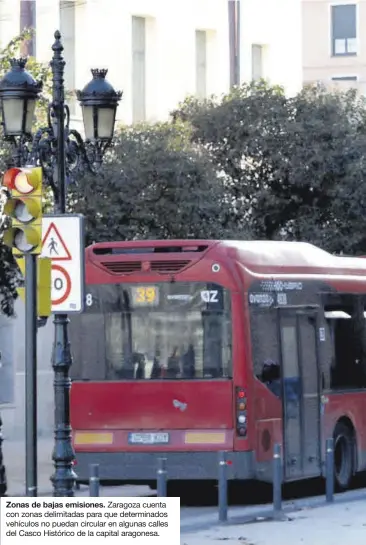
x,y
89,300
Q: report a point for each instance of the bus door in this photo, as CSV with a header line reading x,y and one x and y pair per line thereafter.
x,y
300,391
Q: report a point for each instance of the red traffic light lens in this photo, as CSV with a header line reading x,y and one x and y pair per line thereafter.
x,y
22,184
23,180
9,177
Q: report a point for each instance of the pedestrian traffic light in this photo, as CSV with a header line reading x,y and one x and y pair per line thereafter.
x,y
43,285
24,207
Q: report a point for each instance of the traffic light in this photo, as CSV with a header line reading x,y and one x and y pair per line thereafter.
x,y
43,285
24,207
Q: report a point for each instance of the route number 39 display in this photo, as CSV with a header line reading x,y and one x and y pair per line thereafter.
x,y
145,295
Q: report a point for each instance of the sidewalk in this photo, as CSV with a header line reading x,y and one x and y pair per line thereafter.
x,y
340,523
14,460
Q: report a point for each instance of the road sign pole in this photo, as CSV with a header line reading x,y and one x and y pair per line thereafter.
x,y
63,244
31,374
64,477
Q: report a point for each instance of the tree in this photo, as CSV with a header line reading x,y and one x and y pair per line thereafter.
x,y
239,131
8,270
293,166
154,185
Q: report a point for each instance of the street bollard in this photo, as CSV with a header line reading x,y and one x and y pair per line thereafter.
x,y
277,479
161,480
329,470
223,488
3,483
94,480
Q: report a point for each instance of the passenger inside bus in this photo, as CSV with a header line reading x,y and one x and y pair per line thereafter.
x,y
173,364
177,366
271,376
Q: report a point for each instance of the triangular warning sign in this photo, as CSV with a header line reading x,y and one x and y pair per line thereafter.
x,y
53,245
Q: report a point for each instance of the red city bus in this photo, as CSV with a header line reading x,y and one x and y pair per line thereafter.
x,y
190,347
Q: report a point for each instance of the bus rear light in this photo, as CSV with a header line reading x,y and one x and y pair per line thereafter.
x,y
241,413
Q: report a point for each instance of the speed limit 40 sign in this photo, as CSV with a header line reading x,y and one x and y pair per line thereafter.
x,y
63,243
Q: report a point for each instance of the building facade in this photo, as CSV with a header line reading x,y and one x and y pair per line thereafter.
x,y
334,52
157,52
271,42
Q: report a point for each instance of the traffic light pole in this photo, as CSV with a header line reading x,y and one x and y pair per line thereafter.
x,y
53,148
31,374
63,478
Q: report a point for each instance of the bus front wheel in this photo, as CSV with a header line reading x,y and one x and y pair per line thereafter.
x,y
343,456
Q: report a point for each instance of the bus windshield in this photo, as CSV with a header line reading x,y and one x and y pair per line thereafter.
x,y
166,330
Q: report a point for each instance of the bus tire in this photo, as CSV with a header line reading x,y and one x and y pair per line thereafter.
x,y
344,446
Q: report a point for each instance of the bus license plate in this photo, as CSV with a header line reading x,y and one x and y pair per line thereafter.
x,y
148,438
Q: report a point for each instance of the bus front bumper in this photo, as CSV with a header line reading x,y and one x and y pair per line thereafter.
x,y
141,467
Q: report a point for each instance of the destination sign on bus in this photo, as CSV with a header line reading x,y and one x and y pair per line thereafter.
x,y
163,297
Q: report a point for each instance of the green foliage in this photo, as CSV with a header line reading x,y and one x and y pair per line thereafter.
x,y
8,268
153,185
294,167
250,164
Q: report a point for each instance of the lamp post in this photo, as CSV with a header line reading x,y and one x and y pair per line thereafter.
x,y
63,154
3,483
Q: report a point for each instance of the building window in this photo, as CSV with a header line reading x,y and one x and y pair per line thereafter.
x,y
201,63
257,62
344,36
344,82
67,29
138,69
344,78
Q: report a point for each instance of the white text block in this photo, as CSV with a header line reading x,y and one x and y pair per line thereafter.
x,y
137,521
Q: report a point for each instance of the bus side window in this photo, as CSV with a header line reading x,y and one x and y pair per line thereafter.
x,y
265,349
345,315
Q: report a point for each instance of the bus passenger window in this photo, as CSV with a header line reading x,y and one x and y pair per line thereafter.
x,y
167,330
345,316
265,349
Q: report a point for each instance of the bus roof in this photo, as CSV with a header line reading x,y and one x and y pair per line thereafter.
x,y
256,255
259,253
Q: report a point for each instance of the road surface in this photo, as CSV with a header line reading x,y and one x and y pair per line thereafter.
x,y
341,523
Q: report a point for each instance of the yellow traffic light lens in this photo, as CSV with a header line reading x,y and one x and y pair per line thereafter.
x,y
22,184
21,213
25,210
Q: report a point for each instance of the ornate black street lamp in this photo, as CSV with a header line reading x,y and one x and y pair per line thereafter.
x,y
63,155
